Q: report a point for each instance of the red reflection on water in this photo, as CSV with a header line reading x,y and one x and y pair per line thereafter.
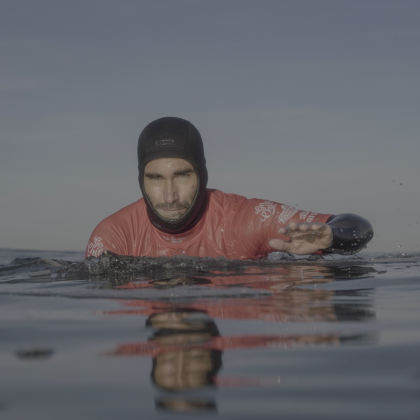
x,y
155,348
285,301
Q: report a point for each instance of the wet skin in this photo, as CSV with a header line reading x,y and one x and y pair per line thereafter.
x,y
170,185
305,238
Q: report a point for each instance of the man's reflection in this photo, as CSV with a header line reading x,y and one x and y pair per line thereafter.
x,y
186,349
183,405
184,363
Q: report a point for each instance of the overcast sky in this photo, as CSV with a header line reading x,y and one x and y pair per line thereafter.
x,y
310,103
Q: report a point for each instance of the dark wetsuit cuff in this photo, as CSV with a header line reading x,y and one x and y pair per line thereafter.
x,y
351,233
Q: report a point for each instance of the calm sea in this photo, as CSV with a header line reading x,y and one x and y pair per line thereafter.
x,y
188,338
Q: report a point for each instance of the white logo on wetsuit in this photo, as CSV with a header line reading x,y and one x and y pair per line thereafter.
x,y
311,217
303,214
267,209
287,213
96,248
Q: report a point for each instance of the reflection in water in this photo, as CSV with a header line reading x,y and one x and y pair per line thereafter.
x,y
283,300
181,362
186,347
177,281
183,405
34,353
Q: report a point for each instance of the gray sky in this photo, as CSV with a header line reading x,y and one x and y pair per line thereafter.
x,y
314,103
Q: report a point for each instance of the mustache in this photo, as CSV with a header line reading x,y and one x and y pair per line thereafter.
x,y
175,206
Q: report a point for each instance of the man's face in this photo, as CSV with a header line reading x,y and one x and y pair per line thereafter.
x,y
171,185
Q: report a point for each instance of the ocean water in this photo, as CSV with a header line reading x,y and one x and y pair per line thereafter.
x,y
160,338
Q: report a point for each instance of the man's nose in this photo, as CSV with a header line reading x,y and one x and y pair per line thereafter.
x,y
170,193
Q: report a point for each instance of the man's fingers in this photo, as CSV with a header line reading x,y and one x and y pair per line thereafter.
x,y
319,226
304,238
279,245
283,230
302,227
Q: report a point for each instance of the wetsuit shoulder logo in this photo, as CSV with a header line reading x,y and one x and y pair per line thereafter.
x,y
96,247
266,209
164,142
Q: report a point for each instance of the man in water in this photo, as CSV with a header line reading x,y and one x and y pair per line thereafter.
x,y
178,215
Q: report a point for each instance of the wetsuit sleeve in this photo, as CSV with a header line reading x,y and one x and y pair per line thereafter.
x,y
351,233
259,221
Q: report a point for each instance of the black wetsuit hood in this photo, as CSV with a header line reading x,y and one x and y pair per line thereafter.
x,y
171,137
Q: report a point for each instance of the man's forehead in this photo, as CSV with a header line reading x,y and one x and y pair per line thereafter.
x,y
168,163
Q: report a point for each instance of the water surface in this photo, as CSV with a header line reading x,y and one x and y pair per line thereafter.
x,y
163,338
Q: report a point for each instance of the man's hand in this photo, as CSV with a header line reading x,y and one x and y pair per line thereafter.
x,y
305,238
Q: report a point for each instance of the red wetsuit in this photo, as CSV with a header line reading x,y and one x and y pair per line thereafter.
x,y
232,226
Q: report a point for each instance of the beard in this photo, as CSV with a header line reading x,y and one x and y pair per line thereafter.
x,y
172,211
177,209
176,206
